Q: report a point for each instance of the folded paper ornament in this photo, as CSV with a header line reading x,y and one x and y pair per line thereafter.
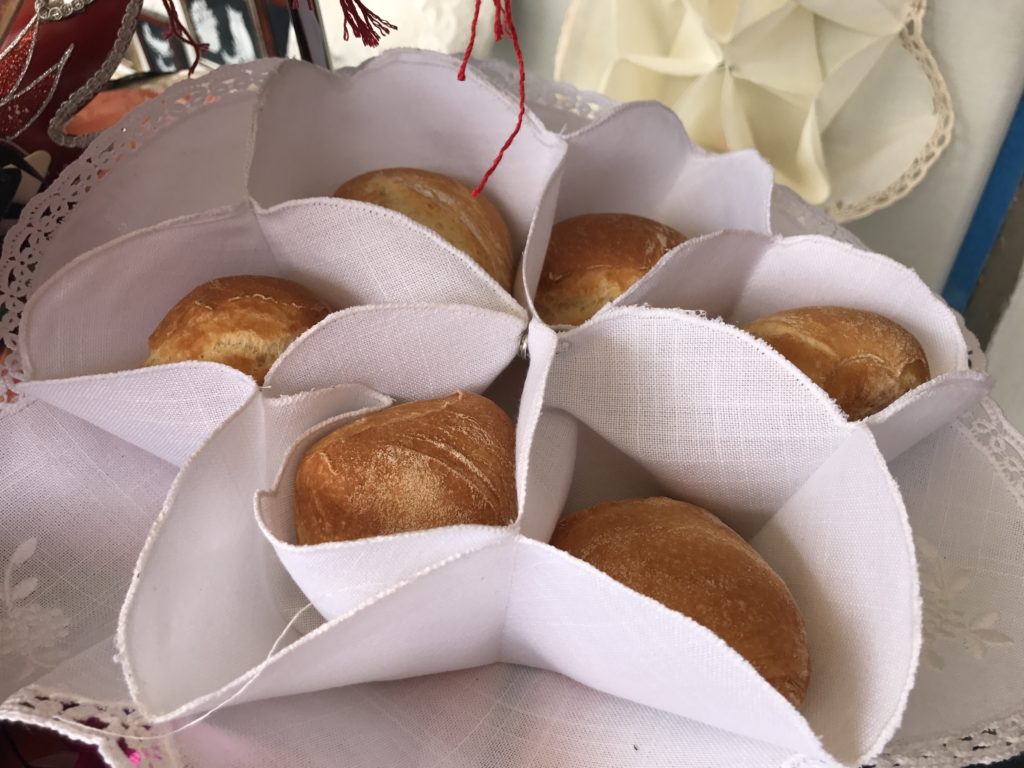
x,y
843,98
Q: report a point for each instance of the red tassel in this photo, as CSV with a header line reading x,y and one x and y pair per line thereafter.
x,y
181,32
503,24
364,23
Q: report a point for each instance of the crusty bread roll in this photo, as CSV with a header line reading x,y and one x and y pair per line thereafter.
x,y
471,224
862,360
592,259
245,321
419,465
688,560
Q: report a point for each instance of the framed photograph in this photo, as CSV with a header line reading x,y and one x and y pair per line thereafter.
x,y
232,29
275,17
161,53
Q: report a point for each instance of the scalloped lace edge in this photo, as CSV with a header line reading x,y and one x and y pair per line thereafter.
x,y
112,727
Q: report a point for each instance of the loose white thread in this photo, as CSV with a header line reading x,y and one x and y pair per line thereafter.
x,y
259,671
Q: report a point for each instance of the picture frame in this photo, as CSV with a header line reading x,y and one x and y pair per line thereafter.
x,y
232,29
275,18
161,51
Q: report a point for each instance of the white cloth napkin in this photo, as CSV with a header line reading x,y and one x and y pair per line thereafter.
x,y
648,397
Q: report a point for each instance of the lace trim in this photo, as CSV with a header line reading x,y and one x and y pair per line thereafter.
x,y
912,39
788,204
990,743
121,748
33,705
542,92
1003,445
27,240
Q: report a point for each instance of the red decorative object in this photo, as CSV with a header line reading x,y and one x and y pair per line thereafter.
x,y
26,101
59,53
52,62
364,24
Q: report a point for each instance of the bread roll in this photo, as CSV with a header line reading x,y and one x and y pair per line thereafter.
x,y
471,224
688,560
593,259
862,360
419,465
244,321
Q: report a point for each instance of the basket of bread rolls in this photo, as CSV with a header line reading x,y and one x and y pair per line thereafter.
x,y
600,421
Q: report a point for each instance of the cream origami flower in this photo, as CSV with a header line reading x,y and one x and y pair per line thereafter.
x,y
841,96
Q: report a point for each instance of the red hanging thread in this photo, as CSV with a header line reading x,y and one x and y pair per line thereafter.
x,y
364,23
180,31
360,21
503,24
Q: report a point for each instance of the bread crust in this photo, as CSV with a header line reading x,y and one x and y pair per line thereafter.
x,y
419,465
245,321
593,259
688,560
445,205
863,360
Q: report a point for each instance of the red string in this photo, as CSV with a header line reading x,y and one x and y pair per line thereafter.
x,y
360,21
497,20
472,40
180,31
364,23
503,24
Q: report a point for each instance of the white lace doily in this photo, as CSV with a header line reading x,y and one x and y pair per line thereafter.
x,y
123,747
36,632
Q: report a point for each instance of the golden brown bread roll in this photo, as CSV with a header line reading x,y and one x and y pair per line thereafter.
x,y
592,259
690,561
419,465
244,321
471,224
862,360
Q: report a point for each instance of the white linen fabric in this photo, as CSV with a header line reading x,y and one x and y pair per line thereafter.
x,y
274,218
496,714
741,276
749,437
86,328
664,177
460,646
